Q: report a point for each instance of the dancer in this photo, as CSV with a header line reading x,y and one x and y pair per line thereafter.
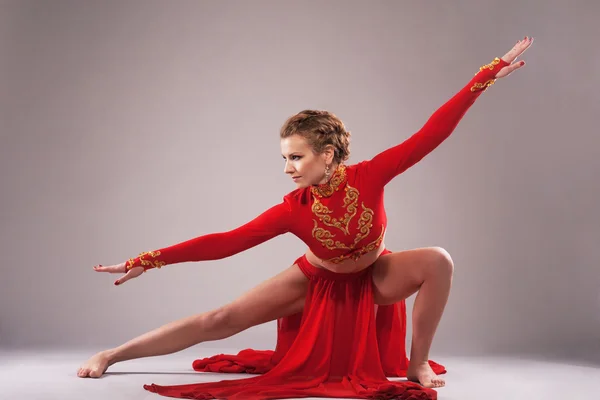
x,y
332,290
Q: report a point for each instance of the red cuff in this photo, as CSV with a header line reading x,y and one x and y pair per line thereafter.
x,y
486,76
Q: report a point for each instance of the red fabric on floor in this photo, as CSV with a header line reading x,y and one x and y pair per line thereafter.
x,y
391,339
331,349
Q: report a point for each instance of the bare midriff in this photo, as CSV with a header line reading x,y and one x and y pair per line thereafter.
x,y
346,266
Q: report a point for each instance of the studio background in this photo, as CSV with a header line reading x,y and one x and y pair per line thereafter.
x,y
128,126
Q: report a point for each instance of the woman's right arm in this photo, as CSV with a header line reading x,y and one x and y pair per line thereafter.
x,y
273,222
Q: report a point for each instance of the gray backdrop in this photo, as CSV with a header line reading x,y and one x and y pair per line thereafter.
x,y
129,126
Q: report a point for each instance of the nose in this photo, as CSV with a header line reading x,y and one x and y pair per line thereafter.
x,y
288,168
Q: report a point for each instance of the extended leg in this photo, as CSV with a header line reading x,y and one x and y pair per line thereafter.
x,y
277,297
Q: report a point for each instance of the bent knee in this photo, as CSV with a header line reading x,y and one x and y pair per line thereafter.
x,y
441,260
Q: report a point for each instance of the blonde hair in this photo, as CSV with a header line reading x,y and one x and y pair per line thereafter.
x,y
320,129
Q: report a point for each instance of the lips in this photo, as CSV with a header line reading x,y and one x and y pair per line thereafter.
x,y
296,177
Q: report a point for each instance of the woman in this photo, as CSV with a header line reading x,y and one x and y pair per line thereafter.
x,y
338,211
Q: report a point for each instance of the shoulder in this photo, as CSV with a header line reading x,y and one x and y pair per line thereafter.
x,y
354,170
297,197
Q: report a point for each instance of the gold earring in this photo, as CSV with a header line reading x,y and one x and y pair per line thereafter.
x,y
327,172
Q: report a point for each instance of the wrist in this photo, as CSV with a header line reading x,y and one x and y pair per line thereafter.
x,y
486,76
146,260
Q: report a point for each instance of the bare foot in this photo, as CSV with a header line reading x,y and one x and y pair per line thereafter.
x,y
96,366
423,374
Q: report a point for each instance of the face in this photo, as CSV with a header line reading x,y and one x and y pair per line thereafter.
x,y
301,163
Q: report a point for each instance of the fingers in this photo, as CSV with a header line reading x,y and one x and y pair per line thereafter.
x,y
518,49
119,269
515,66
132,273
510,69
523,45
113,269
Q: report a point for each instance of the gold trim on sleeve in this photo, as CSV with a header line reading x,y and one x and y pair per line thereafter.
x,y
491,65
146,263
482,86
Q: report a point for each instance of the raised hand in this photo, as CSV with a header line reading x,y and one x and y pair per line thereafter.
x,y
512,55
121,269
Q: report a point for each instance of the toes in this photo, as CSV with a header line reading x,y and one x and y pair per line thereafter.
x,y
439,382
95,374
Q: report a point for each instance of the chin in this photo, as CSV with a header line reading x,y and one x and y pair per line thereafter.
x,y
301,185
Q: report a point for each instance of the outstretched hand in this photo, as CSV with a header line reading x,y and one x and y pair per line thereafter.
x,y
121,269
512,55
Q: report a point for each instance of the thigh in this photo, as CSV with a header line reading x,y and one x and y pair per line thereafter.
x,y
397,276
280,296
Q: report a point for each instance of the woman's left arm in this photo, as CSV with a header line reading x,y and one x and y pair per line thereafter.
x,y
392,162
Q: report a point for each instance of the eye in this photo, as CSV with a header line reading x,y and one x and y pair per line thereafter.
x,y
295,158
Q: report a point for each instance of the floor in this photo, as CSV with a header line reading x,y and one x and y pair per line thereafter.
x,y
50,375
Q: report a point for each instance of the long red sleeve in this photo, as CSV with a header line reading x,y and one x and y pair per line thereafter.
x,y
274,221
395,160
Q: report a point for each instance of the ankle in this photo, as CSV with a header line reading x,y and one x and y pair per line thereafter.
x,y
112,355
418,360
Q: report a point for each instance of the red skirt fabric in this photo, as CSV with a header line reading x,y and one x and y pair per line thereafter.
x,y
339,346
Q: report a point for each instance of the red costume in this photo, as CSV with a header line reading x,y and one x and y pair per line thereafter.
x,y
338,346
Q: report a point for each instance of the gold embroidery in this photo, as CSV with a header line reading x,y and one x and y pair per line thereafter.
x,y
355,255
365,224
328,188
484,86
146,263
479,86
323,236
324,214
350,200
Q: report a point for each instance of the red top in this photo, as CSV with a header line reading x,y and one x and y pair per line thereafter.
x,y
344,218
